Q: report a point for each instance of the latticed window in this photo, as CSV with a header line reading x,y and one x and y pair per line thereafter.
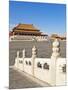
x,y
46,66
26,62
39,65
64,68
29,63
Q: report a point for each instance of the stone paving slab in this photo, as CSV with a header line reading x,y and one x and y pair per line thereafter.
x,y
18,80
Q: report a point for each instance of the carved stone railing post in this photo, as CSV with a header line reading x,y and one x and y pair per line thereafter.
x,y
56,49
17,54
34,54
55,55
23,53
16,59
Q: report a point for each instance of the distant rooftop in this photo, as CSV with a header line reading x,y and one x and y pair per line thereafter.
x,y
25,26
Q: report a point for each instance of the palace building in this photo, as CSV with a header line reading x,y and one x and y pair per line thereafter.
x,y
27,30
56,36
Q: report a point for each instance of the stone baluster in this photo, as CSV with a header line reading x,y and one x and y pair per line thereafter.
x,y
54,57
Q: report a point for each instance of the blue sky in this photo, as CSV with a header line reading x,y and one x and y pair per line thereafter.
x,y
49,18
